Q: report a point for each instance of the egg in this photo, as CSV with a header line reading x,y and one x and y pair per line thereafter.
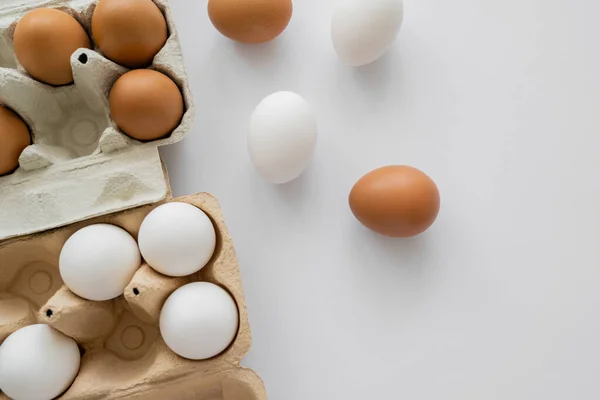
x,y
38,363
282,137
44,40
14,138
98,261
177,239
146,104
397,201
129,32
199,320
363,30
250,21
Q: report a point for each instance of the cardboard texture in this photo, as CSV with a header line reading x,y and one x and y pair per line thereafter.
x,y
81,170
74,138
124,356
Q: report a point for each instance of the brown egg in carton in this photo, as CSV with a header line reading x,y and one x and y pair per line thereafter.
x,y
124,356
79,164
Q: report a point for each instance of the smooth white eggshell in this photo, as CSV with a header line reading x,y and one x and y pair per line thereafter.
x,y
282,137
97,262
177,239
363,30
199,320
38,363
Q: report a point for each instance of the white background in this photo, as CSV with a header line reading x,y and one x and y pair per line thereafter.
x,y
495,100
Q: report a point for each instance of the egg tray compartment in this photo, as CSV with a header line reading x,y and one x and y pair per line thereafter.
x,y
124,356
79,165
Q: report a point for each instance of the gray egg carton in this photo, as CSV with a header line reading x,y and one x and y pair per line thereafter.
x,y
79,165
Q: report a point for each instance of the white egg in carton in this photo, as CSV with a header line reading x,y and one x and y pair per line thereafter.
x,y
124,354
79,165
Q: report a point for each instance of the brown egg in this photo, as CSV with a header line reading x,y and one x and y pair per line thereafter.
x,y
44,41
250,21
129,32
14,138
146,104
396,200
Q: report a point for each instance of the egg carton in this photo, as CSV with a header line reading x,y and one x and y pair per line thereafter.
x,y
124,356
80,165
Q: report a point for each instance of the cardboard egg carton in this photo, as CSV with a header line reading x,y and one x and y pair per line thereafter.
x,y
79,164
124,356
81,170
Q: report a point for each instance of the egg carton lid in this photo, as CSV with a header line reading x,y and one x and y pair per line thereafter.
x,y
79,165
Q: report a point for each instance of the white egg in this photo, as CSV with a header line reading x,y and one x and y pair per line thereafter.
x,y
283,136
177,239
199,320
37,363
98,261
363,30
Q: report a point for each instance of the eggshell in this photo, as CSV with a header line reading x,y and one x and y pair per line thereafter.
x,y
177,239
37,363
250,21
44,40
14,138
129,32
98,261
396,200
282,137
146,104
199,320
363,30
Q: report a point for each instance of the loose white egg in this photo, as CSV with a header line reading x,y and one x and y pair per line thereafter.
x,y
283,136
37,363
363,30
177,239
199,320
98,261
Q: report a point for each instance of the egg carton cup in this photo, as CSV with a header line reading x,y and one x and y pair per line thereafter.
x,y
80,165
124,356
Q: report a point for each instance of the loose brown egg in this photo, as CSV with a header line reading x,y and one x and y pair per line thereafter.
x,y
396,200
250,21
44,40
146,104
129,32
14,138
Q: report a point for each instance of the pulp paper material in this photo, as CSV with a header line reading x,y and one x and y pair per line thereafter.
x,y
124,356
81,170
79,165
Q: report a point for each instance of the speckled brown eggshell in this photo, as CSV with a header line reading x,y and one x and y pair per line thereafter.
x,y
44,40
129,32
14,138
146,104
250,21
396,200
